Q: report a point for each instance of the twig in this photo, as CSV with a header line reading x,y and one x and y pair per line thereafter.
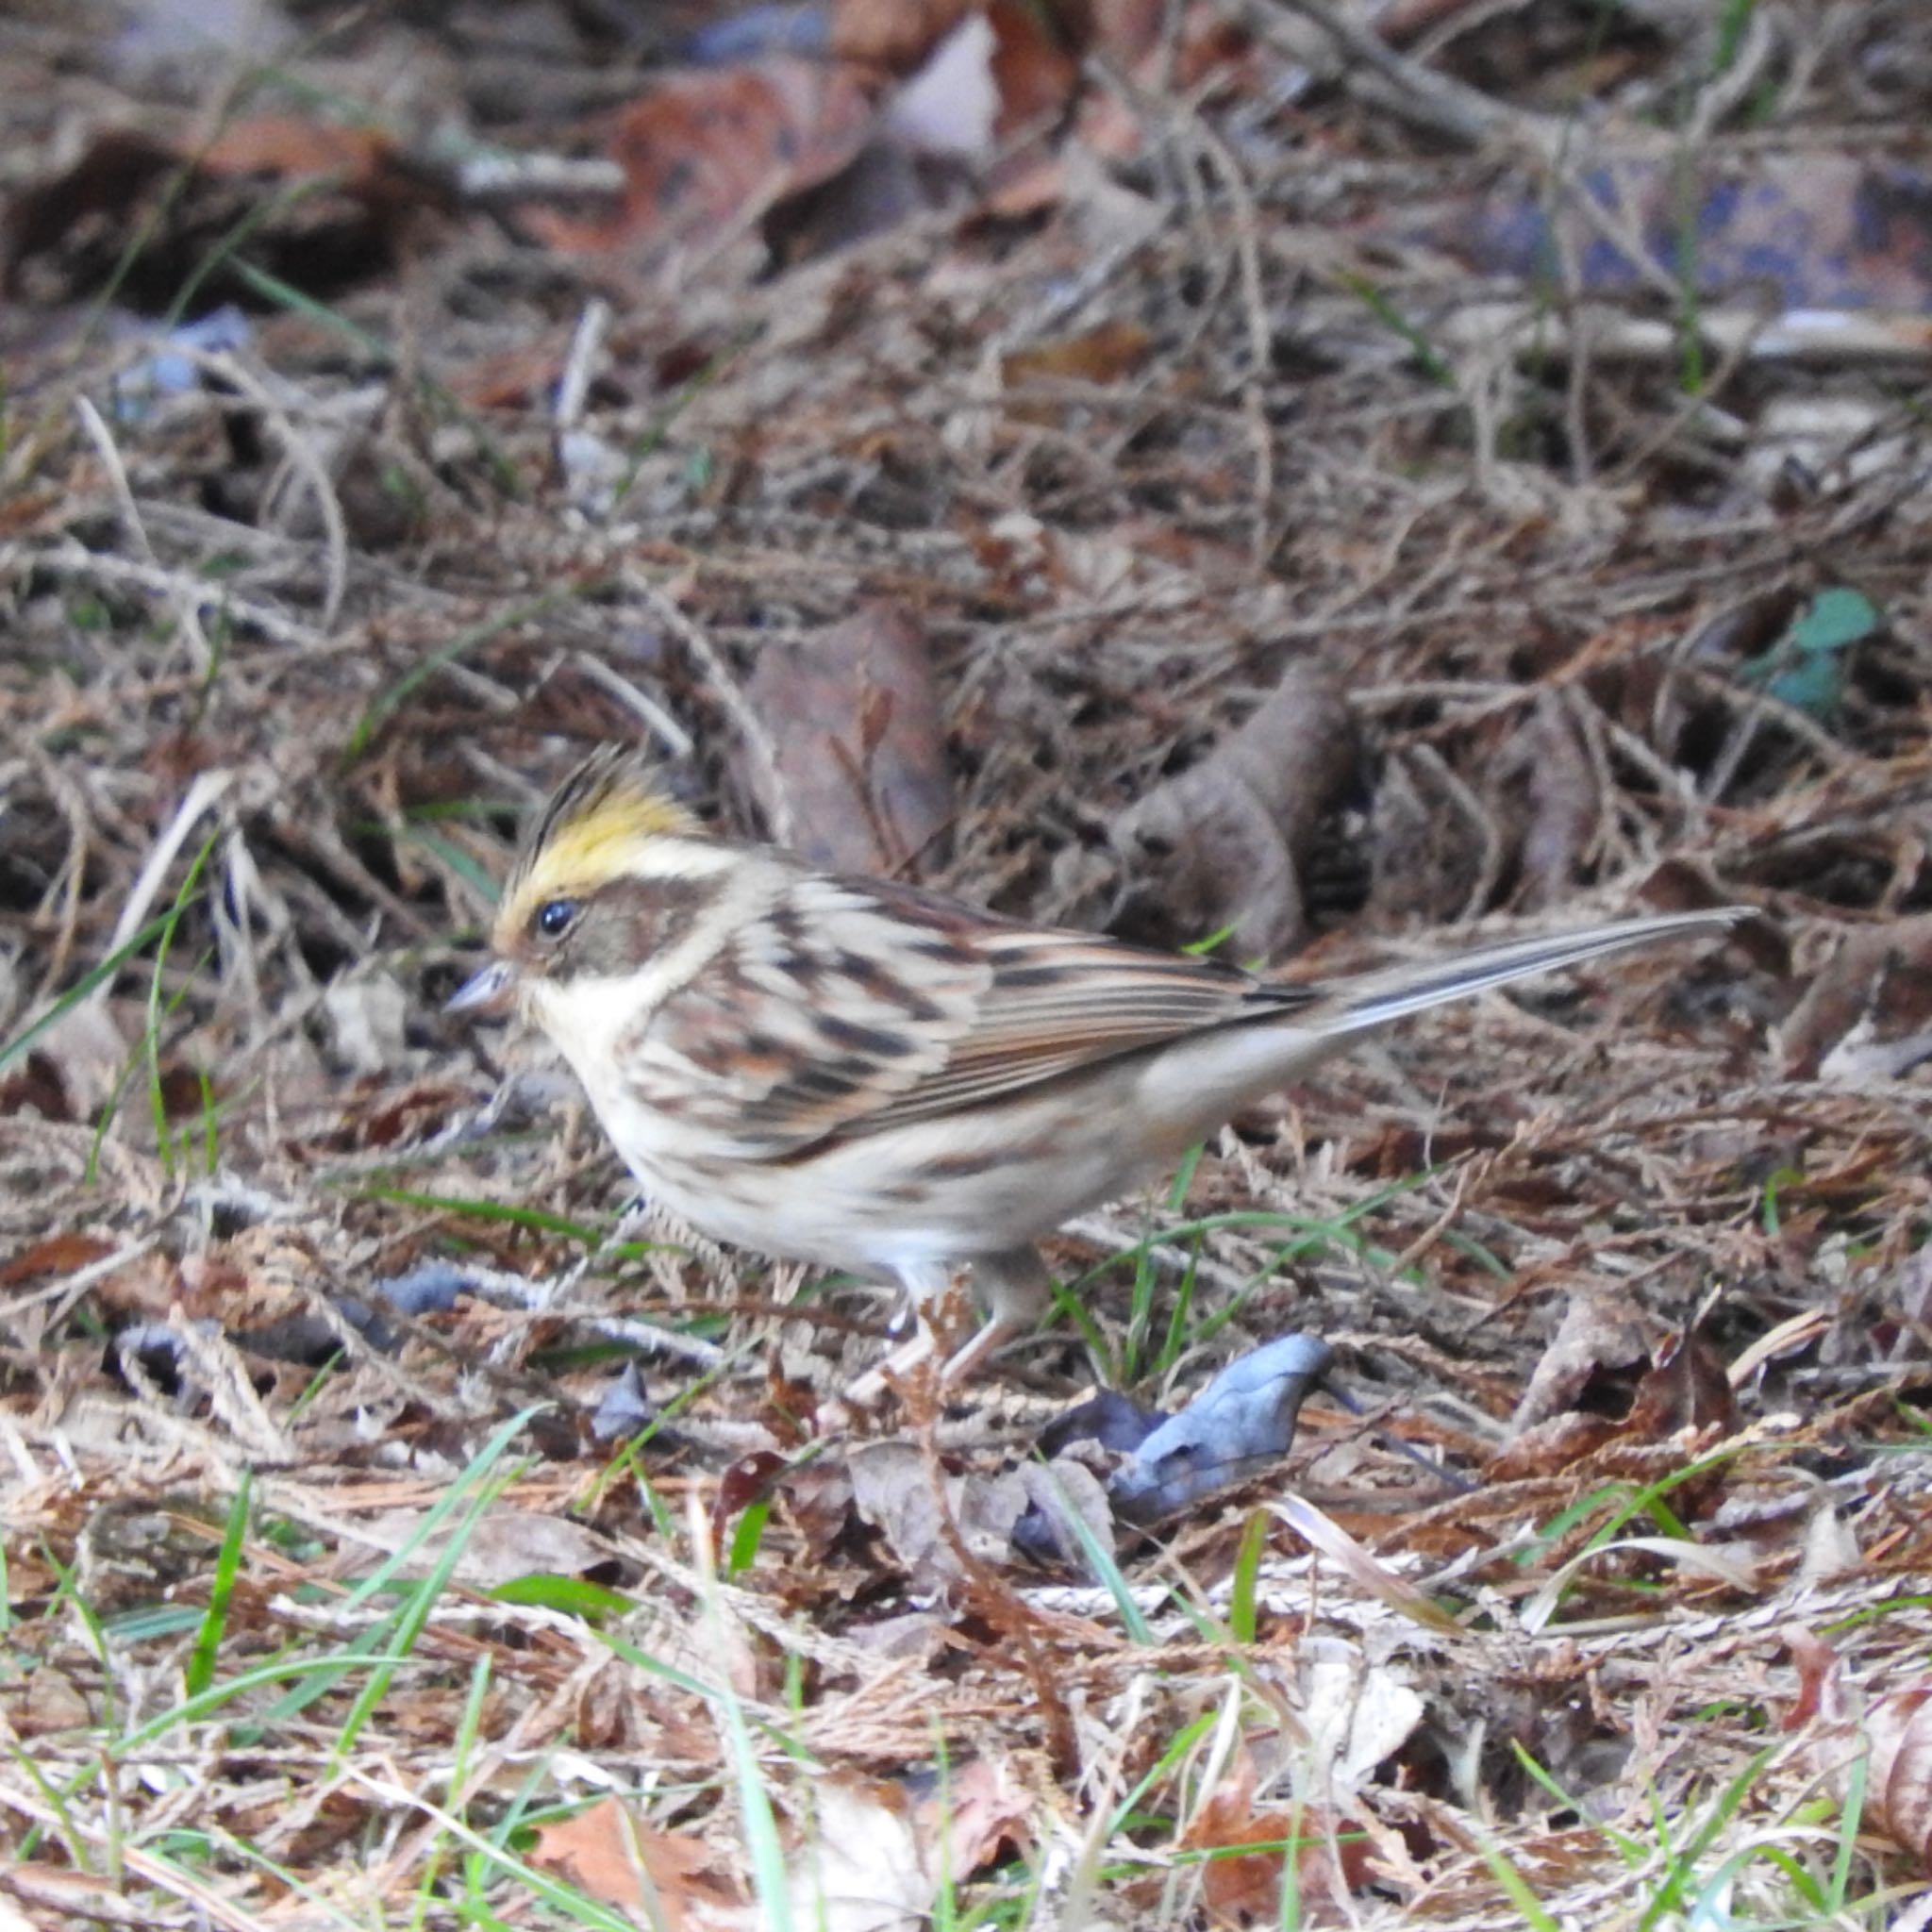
x,y
1437,100
730,694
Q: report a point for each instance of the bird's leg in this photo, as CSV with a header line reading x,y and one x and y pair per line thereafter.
x,y
1016,1289
921,1287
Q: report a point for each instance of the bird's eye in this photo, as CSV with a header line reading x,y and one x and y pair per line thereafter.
x,y
554,917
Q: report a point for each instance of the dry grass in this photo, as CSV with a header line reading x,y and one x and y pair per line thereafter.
x,y
289,653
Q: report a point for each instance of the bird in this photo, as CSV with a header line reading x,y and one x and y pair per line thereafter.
x,y
880,1079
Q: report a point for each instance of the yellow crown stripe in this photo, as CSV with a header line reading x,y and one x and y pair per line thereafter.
x,y
590,833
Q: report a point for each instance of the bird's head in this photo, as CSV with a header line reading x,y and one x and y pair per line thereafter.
x,y
609,873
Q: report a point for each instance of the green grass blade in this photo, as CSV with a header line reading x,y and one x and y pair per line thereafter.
x,y
200,1672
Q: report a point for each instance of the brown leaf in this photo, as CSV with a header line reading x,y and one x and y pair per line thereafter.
x,y
700,150
1900,1776
58,1253
74,1065
853,713
1894,1730
1224,845
1035,66
980,1809
1108,353
1687,1387
1601,1335
1564,799
1869,1011
1243,1888
1589,1392
748,1480
871,1859
610,1854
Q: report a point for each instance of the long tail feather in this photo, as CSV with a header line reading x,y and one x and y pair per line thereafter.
x,y
1376,998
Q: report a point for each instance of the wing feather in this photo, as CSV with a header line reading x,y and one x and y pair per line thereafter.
x,y
853,1004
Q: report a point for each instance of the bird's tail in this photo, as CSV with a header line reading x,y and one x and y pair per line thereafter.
x,y
1373,999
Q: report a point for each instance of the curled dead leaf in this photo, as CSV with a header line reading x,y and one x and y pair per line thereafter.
x,y
1892,1731
1224,847
1242,1887
1564,799
1869,1011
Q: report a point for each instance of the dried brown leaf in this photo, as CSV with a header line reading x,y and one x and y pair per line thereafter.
x,y
58,1253
1222,846
608,1853
1893,1729
1243,1888
1565,801
853,713
1867,1011
703,150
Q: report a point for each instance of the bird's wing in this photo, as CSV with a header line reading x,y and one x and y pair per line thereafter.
x,y
851,1006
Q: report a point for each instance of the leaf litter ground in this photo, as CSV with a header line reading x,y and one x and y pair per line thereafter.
x,y
400,1530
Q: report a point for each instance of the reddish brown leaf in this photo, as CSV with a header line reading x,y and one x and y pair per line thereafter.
x,y
1900,1728
981,1810
701,150
1894,1731
1687,1387
1035,68
59,1253
1222,847
605,1851
1245,1889
744,1483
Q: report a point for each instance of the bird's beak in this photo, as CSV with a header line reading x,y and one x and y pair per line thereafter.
x,y
487,992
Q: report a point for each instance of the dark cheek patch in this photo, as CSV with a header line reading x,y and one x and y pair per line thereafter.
x,y
630,921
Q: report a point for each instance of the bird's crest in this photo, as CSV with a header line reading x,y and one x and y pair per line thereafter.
x,y
589,833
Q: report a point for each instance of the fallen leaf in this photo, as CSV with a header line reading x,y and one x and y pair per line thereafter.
x,y
1892,1730
1874,992
861,1866
502,1545
703,150
1242,1889
1565,801
58,1253
980,1810
1602,1334
1105,355
608,1853
861,770
1222,848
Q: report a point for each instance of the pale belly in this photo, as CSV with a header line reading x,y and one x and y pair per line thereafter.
x,y
908,1200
